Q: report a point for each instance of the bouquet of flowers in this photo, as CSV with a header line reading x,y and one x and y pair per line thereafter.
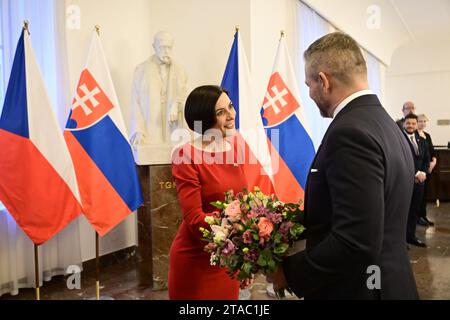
x,y
251,233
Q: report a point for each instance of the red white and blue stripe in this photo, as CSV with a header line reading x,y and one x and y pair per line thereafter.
x,y
37,177
237,81
96,137
289,138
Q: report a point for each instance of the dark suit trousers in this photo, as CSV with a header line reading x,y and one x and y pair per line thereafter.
x,y
416,201
423,204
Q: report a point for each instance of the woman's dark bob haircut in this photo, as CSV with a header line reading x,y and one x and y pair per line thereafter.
x,y
200,108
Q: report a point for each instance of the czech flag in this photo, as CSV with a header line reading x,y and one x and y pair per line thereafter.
x,y
37,177
289,138
254,153
96,137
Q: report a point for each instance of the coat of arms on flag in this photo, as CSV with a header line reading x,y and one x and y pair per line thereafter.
x,y
279,102
96,136
90,103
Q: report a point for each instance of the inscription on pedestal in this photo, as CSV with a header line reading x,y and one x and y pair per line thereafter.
x,y
158,224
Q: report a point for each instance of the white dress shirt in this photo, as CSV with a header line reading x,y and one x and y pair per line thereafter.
x,y
349,99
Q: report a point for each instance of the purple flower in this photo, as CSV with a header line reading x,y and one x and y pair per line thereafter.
x,y
276,217
285,226
257,212
228,248
252,255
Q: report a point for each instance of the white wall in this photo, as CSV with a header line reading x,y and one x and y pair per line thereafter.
x,y
268,19
420,72
126,37
203,32
352,16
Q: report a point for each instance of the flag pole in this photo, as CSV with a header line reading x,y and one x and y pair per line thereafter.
x,y
36,247
97,265
97,242
25,26
36,272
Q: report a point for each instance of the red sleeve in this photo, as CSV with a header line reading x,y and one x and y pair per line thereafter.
x,y
189,195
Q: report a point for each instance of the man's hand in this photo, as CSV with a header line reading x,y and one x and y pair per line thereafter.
x,y
421,177
278,279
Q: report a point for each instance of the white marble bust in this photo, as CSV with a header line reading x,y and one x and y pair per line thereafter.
x,y
158,97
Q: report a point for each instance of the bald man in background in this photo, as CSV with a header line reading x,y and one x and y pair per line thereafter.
x,y
408,107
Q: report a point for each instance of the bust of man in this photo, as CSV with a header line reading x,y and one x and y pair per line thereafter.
x,y
159,93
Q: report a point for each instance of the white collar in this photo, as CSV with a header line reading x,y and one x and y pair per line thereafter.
x,y
413,135
350,98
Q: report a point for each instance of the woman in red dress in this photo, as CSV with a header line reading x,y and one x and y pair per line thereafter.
x,y
203,170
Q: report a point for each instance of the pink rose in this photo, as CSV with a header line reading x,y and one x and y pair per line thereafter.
x,y
265,227
233,211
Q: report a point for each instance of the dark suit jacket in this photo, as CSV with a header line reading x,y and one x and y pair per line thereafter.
x,y
421,160
400,123
356,206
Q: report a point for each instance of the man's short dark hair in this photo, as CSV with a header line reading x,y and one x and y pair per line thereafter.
x,y
411,116
201,107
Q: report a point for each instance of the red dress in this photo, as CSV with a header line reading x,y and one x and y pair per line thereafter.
x,y
191,277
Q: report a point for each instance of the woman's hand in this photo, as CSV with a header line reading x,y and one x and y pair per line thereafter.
x,y
247,283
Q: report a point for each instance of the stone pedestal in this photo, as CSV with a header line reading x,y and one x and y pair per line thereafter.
x,y
158,219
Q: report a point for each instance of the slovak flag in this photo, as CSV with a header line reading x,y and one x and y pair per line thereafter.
x,y
96,136
251,137
37,177
287,130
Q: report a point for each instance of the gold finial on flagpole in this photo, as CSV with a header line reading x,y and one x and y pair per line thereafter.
x,y
281,34
25,26
236,28
97,29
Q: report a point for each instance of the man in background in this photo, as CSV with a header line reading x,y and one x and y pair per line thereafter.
x,y
408,107
421,157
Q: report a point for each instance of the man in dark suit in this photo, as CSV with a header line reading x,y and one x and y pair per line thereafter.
x,y
408,107
421,156
358,189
